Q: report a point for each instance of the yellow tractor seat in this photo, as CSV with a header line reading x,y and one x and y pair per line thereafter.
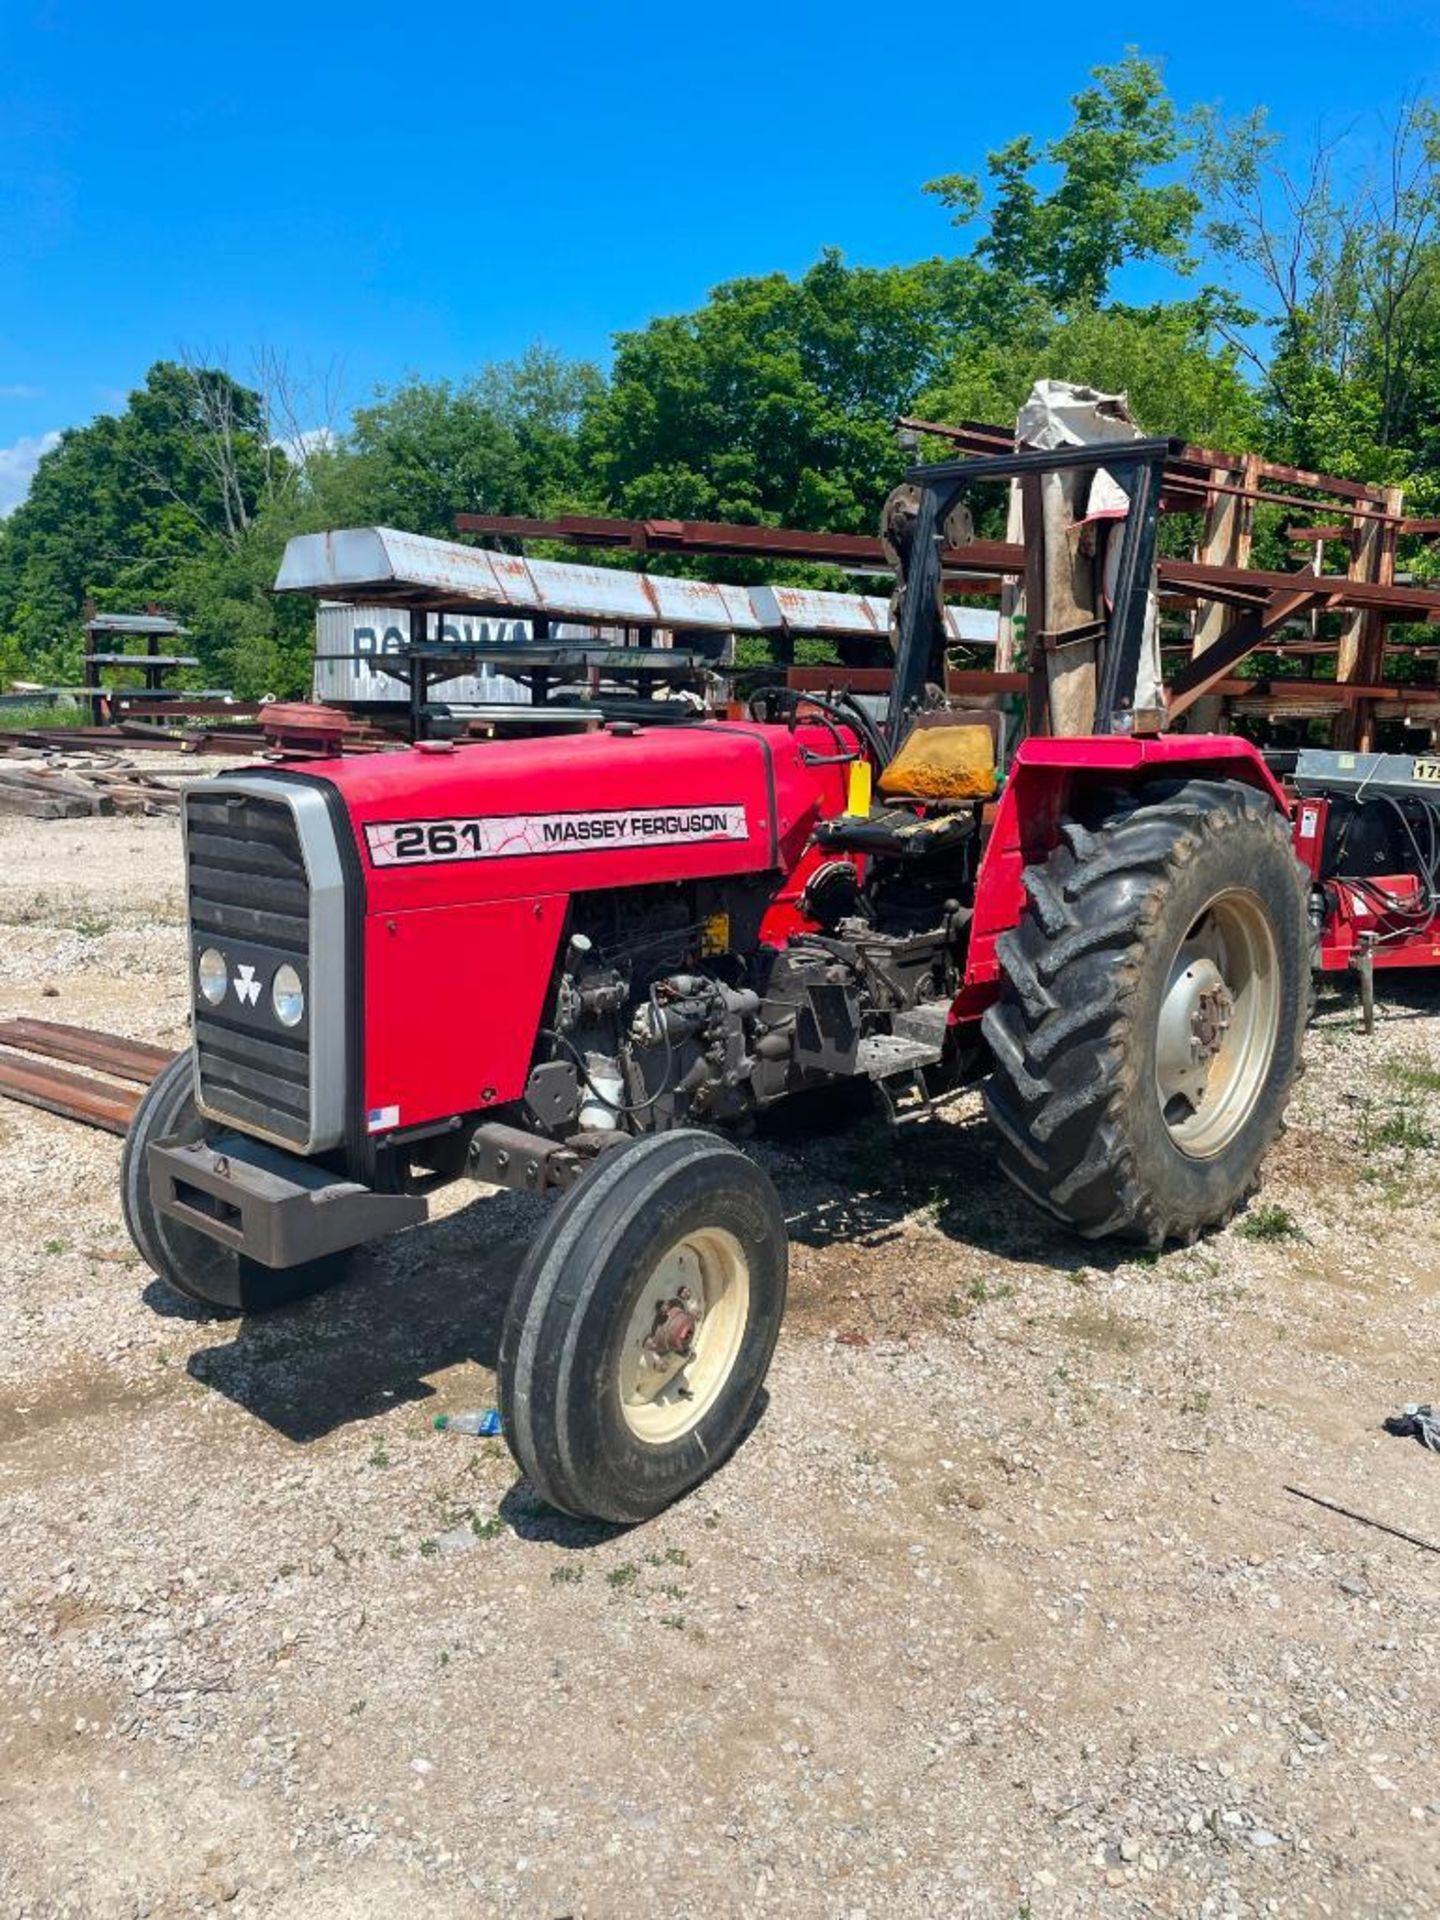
x,y
945,757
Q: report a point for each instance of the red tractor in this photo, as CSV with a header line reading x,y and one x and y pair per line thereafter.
x,y
558,964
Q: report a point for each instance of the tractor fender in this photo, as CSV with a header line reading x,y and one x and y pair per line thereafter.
x,y
1046,777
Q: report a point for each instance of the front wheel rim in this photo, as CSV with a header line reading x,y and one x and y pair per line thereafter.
x,y
1219,1023
684,1335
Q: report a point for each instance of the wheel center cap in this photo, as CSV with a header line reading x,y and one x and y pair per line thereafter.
x,y
1210,1021
672,1337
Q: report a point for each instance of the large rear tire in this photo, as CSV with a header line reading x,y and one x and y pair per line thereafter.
x,y
642,1326
191,1261
1154,1004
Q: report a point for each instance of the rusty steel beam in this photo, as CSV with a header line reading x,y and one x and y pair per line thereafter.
x,y
72,1096
1246,634
970,681
1192,470
990,557
684,536
976,682
1396,603
87,1047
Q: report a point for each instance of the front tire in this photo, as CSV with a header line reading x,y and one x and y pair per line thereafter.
x,y
192,1262
1154,1004
642,1326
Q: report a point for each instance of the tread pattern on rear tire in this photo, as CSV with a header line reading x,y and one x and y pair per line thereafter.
x,y
1063,1088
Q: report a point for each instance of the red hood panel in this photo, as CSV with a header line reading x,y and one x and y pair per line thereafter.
x,y
515,819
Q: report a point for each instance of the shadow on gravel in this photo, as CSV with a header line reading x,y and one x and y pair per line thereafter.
x,y
535,1520
1400,994
861,1186
429,1299
532,1519
435,1297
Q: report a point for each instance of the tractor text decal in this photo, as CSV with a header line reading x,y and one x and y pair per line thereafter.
x,y
414,842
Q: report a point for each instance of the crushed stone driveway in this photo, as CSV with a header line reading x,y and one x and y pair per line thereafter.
x,y
1002,1608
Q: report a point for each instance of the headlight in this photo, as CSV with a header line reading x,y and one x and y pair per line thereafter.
x,y
287,996
214,979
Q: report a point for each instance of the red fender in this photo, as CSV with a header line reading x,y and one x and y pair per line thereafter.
x,y
1045,776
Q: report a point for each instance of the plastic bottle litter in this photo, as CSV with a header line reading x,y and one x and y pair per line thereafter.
x,y
486,1424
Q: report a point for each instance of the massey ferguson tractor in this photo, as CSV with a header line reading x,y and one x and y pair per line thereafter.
x,y
568,965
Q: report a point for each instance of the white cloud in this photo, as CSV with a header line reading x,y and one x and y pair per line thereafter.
x,y
17,467
19,390
300,446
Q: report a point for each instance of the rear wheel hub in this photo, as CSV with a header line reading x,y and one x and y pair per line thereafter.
x,y
1219,1018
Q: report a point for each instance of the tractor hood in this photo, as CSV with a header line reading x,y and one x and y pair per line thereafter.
x,y
440,824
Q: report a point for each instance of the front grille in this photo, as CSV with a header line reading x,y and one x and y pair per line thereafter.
x,y
249,898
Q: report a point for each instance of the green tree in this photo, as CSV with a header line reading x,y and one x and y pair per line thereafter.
x,y
506,441
1106,207
774,402
1338,249
120,504
1182,377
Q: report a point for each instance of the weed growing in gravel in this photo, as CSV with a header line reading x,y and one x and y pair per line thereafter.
x,y
486,1529
568,1574
379,1457
1108,1331
1270,1223
429,1548
1403,1127
622,1576
56,1246
978,1293
1414,1076
671,1557
675,1620
90,926
1195,1265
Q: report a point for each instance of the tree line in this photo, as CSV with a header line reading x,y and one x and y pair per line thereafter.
x,y
1248,295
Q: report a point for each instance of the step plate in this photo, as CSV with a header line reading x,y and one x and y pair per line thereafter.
x,y
880,1055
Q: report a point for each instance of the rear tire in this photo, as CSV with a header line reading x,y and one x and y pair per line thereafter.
x,y
617,1396
192,1262
1149,1029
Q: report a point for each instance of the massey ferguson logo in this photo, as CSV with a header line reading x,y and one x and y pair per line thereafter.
x,y
421,842
247,987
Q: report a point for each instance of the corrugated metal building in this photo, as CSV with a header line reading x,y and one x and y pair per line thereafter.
x,y
347,640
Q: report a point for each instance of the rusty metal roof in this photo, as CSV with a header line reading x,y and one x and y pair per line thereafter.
x,y
412,570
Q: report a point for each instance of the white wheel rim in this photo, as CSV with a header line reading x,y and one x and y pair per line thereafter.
x,y
683,1336
1219,1020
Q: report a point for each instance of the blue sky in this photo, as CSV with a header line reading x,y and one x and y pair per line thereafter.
x,y
383,191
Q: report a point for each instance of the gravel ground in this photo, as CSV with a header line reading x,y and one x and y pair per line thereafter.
x,y
1001,1610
